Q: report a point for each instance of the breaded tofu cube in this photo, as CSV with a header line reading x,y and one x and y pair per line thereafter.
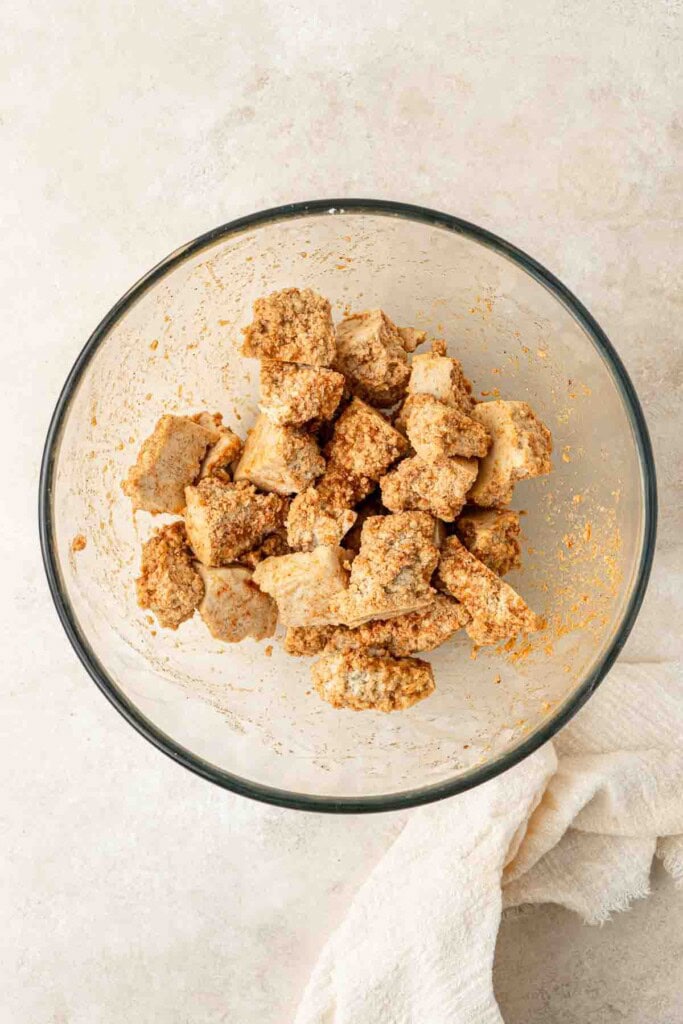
x,y
233,607
225,520
274,544
221,455
437,430
167,462
492,536
390,575
434,373
364,442
340,488
304,584
310,522
406,634
169,583
372,356
521,448
438,487
498,612
292,325
279,459
368,682
292,395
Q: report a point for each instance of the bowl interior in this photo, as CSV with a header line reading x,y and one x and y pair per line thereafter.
x,y
239,714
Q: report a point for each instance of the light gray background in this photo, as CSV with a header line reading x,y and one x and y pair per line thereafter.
x,y
130,890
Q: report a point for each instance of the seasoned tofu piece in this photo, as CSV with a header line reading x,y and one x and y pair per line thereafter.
x,y
169,583
340,488
492,536
498,612
411,338
390,575
437,430
279,459
304,584
438,487
233,607
434,373
311,522
167,462
372,356
292,325
521,448
364,442
292,395
274,544
225,520
406,634
368,682
221,455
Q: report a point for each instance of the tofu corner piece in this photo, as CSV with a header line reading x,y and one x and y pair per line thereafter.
x,y
492,536
371,353
311,522
292,395
361,681
437,430
498,612
223,521
280,459
169,583
434,373
167,462
304,584
221,456
521,448
293,326
364,442
439,487
233,607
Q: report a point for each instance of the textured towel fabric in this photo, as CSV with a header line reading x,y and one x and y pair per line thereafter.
x,y
577,823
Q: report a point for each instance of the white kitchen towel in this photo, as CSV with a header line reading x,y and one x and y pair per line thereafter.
x,y
577,823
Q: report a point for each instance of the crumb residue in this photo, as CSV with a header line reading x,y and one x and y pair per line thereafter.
x,y
78,543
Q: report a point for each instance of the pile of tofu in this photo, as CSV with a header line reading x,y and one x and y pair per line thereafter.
x,y
367,510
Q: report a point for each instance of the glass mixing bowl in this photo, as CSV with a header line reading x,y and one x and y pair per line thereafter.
x,y
249,721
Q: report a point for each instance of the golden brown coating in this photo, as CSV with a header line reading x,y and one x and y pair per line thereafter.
x,y
492,536
167,462
439,487
292,395
372,356
498,612
390,576
311,522
371,506
225,520
364,442
367,682
437,430
304,584
275,544
339,488
169,583
411,338
434,373
221,455
233,607
521,448
280,459
291,325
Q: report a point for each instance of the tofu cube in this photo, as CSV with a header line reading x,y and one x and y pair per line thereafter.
x,y
367,682
304,584
233,607
372,356
310,522
292,325
292,395
279,459
492,536
521,448
167,462
498,612
225,520
434,373
438,431
169,583
340,488
439,487
364,442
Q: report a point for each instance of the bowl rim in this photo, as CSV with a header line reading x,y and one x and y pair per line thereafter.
x,y
312,802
